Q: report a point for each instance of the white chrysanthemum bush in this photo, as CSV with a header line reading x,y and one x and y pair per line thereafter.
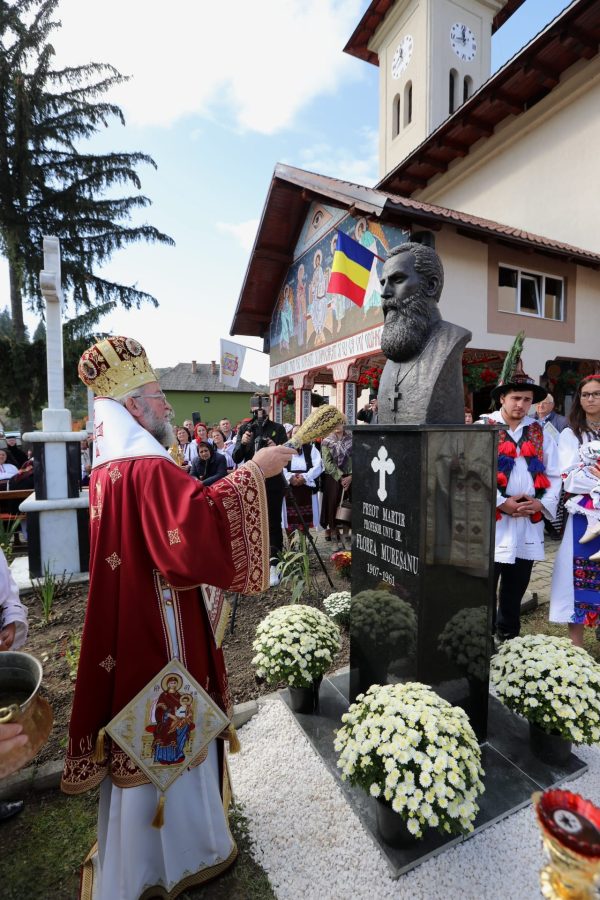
x,y
463,641
384,621
404,744
551,683
295,644
337,607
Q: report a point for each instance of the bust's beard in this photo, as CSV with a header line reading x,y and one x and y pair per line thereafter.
x,y
407,328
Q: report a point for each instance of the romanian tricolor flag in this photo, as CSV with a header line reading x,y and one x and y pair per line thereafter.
x,y
350,269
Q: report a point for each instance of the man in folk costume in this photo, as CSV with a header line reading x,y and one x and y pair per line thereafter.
x,y
528,488
156,536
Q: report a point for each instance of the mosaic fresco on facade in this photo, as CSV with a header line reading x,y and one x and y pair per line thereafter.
x,y
306,316
319,220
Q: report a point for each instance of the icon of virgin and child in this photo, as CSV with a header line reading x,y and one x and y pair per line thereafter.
x,y
172,720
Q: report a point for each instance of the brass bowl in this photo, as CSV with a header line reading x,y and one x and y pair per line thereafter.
x,y
20,680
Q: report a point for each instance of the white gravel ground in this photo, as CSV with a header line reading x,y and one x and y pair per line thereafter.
x,y
313,847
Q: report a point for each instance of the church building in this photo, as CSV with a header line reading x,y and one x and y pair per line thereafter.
x,y
496,172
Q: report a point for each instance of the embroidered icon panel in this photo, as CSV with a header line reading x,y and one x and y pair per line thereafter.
x,y
168,725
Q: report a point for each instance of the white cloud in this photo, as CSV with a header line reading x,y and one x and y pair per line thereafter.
x,y
264,60
358,164
243,232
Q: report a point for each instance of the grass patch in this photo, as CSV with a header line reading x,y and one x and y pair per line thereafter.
x,y
536,622
43,847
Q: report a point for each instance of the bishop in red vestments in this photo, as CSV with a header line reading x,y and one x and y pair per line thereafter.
x,y
156,536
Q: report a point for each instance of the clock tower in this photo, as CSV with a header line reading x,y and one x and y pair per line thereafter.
x,y
432,55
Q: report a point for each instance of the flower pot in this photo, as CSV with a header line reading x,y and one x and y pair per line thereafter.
x,y
392,827
305,699
549,748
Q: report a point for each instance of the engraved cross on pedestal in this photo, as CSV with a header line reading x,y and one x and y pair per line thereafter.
x,y
384,466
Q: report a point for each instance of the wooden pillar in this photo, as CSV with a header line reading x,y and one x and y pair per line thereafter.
x,y
345,375
303,385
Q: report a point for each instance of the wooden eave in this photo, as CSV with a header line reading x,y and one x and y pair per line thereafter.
x,y
358,45
516,87
290,194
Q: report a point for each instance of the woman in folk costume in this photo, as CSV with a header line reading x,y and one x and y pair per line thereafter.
x,y
156,536
528,485
301,474
575,590
336,451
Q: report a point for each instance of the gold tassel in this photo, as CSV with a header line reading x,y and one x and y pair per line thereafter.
x,y
98,754
159,816
234,741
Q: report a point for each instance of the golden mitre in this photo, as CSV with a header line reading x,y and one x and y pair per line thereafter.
x,y
115,366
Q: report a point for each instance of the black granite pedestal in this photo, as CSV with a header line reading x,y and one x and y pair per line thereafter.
x,y
512,773
423,517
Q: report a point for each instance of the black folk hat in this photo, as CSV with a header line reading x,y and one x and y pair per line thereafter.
x,y
512,376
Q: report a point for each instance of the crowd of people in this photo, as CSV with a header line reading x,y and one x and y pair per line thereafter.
x,y
314,482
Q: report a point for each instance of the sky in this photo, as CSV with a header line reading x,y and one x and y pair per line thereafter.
x,y
218,95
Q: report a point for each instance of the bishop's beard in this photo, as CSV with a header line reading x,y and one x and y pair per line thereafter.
x,y
159,427
407,326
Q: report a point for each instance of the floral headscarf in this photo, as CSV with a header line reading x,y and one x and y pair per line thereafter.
x,y
340,447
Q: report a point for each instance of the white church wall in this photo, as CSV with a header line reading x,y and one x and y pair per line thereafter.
x,y
467,295
464,298
539,171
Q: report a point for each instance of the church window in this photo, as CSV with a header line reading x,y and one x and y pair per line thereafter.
x,y
396,116
467,88
408,103
530,293
452,86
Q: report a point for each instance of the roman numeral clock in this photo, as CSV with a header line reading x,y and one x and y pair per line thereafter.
x,y
463,42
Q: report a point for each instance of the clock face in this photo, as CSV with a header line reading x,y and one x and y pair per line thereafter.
x,y
462,41
402,56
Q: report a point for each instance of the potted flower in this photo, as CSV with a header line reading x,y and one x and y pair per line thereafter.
x,y
337,607
555,686
296,644
417,755
463,641
286,395
370,378
342,560
384,628
477,376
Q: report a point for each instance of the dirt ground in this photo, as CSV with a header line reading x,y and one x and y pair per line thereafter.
x,y
51,643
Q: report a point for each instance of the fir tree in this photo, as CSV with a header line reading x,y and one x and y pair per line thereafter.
x,y
49,186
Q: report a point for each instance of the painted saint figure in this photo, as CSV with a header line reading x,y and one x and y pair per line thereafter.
x,y
365,237
287,316
317,309
164,745
300,306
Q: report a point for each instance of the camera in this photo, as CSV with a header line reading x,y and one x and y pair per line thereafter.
x,y
259,416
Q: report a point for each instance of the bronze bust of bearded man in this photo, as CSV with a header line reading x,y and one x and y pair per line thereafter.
x,y
422,380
